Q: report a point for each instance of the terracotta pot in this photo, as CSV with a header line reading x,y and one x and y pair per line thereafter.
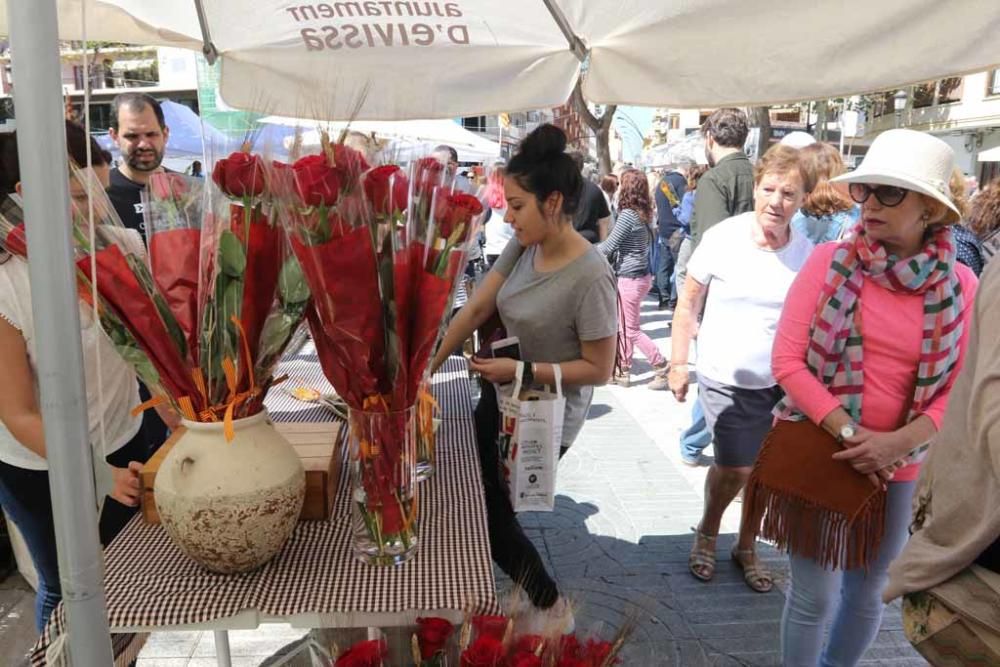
x,y
230,506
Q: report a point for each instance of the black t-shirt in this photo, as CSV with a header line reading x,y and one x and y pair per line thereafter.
x,y
126,196
592,208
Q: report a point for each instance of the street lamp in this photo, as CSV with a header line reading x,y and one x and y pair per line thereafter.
x,y
899,103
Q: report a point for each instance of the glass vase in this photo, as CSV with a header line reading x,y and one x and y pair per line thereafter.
x,y
383,486
425,408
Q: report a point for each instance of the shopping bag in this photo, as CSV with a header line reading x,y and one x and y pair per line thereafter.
x,y
531,426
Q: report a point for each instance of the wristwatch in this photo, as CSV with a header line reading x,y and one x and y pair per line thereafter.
x,y
848,430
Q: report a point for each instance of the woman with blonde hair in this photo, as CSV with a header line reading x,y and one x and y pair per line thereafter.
x,y
870,341
631,238
968,248
826,213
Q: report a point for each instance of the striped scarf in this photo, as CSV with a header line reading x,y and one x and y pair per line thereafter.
x,y
834,354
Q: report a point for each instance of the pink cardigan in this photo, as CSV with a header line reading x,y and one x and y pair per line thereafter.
x,y
892,338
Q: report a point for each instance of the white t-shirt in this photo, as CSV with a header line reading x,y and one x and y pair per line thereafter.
x,y
498,232
118,381
747,286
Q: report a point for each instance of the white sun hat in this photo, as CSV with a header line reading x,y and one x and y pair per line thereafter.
x,y
798,139
907,159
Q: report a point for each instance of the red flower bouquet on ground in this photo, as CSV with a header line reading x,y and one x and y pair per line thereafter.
x,y
429,643
371,653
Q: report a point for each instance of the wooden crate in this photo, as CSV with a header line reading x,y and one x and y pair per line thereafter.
x,y
318,444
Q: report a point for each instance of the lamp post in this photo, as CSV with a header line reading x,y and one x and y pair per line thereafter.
x,y
899,103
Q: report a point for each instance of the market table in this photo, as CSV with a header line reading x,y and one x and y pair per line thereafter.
x,y
314,581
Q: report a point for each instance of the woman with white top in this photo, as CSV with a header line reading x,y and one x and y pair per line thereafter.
x,y
24,481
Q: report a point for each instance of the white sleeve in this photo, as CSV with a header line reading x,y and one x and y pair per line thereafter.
x,y
700,265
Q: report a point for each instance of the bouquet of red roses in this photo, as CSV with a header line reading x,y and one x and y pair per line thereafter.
x,y
382,251
205,315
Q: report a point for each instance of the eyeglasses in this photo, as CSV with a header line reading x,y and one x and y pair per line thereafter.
x,y
887,195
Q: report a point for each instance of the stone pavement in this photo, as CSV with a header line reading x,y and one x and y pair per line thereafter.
x,y
617,543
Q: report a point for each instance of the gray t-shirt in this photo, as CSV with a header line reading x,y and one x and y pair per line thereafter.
x,y
551,313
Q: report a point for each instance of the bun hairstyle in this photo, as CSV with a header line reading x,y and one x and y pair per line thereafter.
x,y
541,166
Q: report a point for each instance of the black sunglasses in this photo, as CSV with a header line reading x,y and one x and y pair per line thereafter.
x,y
887,195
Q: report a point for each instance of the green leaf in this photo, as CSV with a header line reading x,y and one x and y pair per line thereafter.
x,y
292,282
232,302
232,257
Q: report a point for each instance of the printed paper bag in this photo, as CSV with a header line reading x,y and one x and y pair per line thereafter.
x,y
531,426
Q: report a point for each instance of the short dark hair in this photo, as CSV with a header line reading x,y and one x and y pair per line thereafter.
x,y
445,148
76,146
728,127
136,102
541,166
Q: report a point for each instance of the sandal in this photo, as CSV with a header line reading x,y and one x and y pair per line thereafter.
x,y
701,562
756,577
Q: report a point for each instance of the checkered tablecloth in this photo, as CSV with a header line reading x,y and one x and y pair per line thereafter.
x,y
150,584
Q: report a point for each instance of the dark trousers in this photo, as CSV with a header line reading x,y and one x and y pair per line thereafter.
x,y
509,546
24,495
664,282
154,431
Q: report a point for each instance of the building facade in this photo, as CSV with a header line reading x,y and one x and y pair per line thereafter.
x,y
111,69
962,111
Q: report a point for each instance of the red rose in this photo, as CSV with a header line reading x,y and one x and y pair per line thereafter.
x,y
387,188
351,163
240,175
571,652
432,635
490,626
281,180
529,644
598,651
166,185
427,174
484,652
317,183
369,653
524,659
452,209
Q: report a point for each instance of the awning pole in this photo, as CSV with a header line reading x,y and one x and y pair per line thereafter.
x,y
41,140
576,44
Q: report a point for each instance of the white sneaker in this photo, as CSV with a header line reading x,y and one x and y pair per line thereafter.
x,y
556,620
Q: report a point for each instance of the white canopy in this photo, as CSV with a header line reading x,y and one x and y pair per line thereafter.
x,y
436,59
690,148
991,155
407,137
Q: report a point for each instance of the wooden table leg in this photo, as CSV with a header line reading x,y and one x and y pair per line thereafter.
x,y
222,657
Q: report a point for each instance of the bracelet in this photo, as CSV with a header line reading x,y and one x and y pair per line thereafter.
x,y
684,366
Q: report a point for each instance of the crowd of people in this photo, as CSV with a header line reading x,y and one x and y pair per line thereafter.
x,y
842,301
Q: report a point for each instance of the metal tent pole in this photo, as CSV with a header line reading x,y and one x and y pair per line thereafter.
x,y
41,139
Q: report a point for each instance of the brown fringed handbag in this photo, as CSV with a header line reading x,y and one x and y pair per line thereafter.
x,y
810,504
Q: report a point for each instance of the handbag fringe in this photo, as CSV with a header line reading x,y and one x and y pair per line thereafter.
x,y
802,527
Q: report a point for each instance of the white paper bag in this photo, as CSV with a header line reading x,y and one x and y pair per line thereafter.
x,y
531,426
